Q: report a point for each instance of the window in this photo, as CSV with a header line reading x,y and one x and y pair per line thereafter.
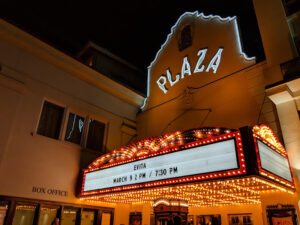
x,y
33,212
291,7
3,210
70,216
24,215
88,217
47,215
209,219
185,38
74,128
241,219
50,121
95,135
78,129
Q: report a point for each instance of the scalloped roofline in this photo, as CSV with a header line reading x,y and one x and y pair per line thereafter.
x,y
198,15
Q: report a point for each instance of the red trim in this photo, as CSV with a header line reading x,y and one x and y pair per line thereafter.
x,y
267,174
279,149
142,147
208,176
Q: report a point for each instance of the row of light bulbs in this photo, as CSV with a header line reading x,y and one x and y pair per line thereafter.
x,y
213,193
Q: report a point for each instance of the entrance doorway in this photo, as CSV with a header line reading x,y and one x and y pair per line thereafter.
x,y
170,212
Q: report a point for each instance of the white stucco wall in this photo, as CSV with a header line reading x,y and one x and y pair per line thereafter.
x,y
30,160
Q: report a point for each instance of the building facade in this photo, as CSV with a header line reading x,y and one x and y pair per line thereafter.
x,y
63,120
58,115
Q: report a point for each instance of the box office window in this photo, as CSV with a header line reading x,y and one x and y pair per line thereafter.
x,y
50,121
88,217
47,215
70,216
3,211
24,215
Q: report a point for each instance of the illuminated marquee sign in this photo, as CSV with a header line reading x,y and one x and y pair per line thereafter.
x,y
271,156
186,69
273,161
213,158
205,159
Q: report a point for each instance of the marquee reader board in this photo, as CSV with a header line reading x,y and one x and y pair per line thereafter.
x,y
208,158
273,161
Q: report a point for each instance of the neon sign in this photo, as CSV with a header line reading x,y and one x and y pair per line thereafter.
x,y
167,80
186,69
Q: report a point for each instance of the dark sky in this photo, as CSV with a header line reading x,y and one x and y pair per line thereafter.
x,y
133,30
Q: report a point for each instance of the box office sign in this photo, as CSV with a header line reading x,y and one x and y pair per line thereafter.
x,y
49,191
181,164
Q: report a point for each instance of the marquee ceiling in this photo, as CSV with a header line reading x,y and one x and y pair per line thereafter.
x,y
205,194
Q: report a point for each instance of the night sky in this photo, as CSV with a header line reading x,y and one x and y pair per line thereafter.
x,y
133,30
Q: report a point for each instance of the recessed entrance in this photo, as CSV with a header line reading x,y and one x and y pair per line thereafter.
x,y
170,212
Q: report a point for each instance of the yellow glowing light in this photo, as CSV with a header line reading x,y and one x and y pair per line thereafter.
x,y
151,145
264,132
234,191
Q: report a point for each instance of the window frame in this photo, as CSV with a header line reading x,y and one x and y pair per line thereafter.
x,y
240,216
105,135
33,204
40,114
13,202
63,126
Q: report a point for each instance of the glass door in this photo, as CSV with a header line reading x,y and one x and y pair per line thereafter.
x,y
24,214
70,216
48,215
88,217
105,220
3,211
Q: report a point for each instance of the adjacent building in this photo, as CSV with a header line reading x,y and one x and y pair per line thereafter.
x,y
57,116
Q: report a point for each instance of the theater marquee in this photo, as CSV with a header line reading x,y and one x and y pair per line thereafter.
x,y
191,157
212,157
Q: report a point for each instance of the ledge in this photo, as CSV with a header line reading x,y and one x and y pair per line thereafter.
x,y
27,42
